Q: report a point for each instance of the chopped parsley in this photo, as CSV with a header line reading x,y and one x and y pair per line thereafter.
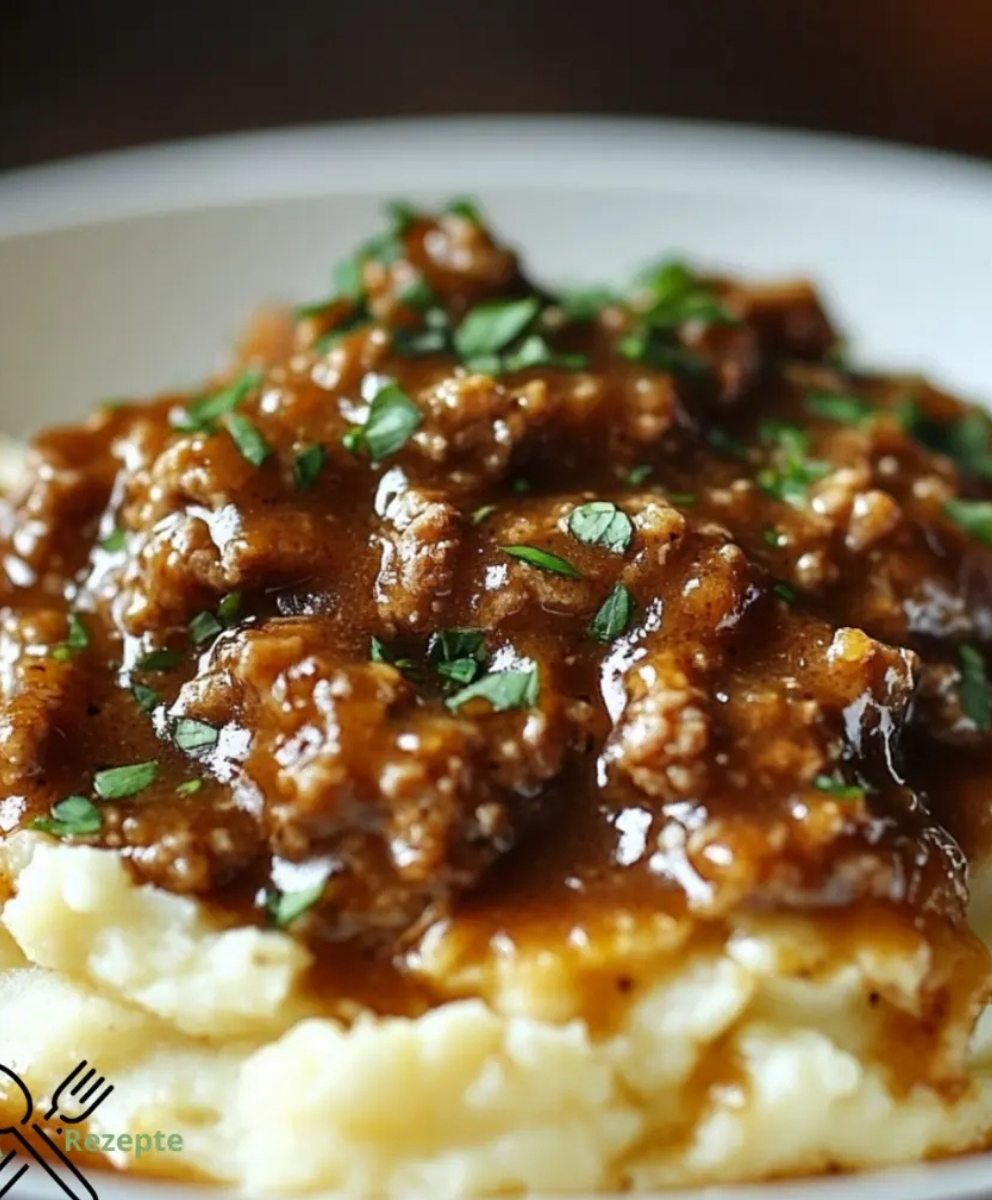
x,y
834,786
544,560
229,607
613,615
114,541
602,523
391,421
193,735
724,442
202,415
250,443
791,478
286,907
976,691
204,627
483,513
308,465
158,660
491,327
786,592
402,214
77,639
973,516
677,295
418,295
585,304
466,208
189,788
379,652
458,655
967,440
146,698
504,690
774,537
117,783
838,406
638,474
657,348
75,816
349,283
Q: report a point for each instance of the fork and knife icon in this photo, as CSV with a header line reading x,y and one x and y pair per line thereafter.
x,y
75,1099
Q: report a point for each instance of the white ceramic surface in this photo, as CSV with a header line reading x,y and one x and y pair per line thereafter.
x,y
130,273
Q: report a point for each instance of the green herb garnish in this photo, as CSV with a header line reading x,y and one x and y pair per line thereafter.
x,y
418,295
544,560
973,516
834,786
785,592
229,607
638,474
204,627
602,523
189,788
790,480
483,513
613,615
75,816
192,735
585,304
146,698
534,351
491,327
504,690
308,465
114,542
467,208
77,639
458,655
976,691
379,652
391,421
838,406
286,907
774,538
250,443
201,416
118,783
658,348
686,499
967,440
158,660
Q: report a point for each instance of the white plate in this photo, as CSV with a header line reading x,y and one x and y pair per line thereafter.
x,y
131,273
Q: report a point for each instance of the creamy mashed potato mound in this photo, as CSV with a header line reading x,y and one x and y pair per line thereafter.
x,y
753,1056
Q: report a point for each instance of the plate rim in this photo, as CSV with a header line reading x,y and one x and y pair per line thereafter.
x,y
518,152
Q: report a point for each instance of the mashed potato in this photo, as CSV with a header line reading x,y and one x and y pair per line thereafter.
x,y
749,1057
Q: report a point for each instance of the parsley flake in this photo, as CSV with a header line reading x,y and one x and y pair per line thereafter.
x,y
638,474
544,560
189,788
391,421
967,441
286,907
973,516
204,627
146,698
77,639
602,523
613,616
834,786
785,592
117,783
114,542
838,406
75,816
193,735
976,691
201,416
250,443
483,513
489,328
158,660
504,690
458,655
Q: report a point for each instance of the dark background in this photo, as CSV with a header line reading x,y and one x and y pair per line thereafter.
x,y
78,76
